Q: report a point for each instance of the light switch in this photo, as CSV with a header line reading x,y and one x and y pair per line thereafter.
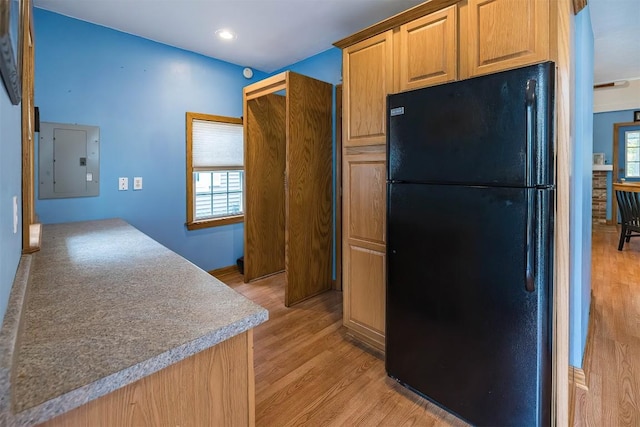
x,y
123,183
137,183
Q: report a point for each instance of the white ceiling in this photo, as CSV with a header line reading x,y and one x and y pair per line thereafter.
x,y
272,34
616,30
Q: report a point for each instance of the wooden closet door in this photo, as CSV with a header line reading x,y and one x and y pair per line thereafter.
x,y
308,188
265,148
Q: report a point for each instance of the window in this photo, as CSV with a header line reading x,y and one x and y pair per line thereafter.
x,y
632,154
215,175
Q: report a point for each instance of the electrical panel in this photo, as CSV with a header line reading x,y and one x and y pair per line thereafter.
x,y
68,161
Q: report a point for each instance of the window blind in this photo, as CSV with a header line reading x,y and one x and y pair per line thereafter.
x,y
217,145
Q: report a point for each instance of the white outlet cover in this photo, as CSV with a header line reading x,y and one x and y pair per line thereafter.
x,y
123,183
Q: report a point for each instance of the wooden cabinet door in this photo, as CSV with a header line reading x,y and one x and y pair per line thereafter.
x,y
367,72
429,49
364,240
308,188
506,34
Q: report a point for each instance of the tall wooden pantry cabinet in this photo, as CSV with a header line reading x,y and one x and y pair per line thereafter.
x,y
436,42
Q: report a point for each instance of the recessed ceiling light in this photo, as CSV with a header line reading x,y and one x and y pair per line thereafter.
x,y
225,34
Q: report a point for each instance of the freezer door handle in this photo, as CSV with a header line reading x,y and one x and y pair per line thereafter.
x,y
530,106
530,242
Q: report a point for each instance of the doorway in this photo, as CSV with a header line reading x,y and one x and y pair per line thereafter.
x,y
626,158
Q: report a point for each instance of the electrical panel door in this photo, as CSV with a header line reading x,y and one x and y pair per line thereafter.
x,y
69,161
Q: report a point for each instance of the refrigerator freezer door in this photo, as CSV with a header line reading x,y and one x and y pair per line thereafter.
x,y
475,131
462,327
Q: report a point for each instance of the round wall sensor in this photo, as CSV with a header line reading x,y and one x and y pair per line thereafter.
x,y
247,72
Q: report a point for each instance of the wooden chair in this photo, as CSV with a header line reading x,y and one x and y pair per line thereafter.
x,y
629,204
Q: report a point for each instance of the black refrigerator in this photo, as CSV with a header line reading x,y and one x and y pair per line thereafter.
x,y
470,210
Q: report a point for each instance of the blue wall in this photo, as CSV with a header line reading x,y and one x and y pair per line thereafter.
x,y
137,91
580,221
325,66
603,140
10,185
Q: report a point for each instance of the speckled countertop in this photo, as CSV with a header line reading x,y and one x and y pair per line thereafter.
x,y
105,306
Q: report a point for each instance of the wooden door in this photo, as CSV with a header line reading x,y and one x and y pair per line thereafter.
x,y
264,218
506,34
367,72
364,245
429,49
308,188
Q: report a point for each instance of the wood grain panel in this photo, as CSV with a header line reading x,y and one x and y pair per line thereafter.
x,y
364,308
211,388
364,237
338,191
395,21
578,5
308,193
505,34
268,86
565,87
365,149
429,49
365,198
265,153
30,237
578,377
368,77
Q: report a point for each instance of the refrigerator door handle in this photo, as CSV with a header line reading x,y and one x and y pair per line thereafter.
x,y
530,242
530,104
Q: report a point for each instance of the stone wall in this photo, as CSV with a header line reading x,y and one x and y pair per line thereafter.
x,y
599,199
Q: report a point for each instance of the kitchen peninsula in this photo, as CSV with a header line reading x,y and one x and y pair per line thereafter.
x,y
105,326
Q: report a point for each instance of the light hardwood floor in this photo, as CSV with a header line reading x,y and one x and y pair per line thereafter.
x,y
613,368
309,372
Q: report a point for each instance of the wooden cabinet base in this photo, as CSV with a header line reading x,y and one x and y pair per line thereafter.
x,y
212,388
376,342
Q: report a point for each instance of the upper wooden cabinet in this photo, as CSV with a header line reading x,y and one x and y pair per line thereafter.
x,y
428,51
506,34
367,69
417,54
